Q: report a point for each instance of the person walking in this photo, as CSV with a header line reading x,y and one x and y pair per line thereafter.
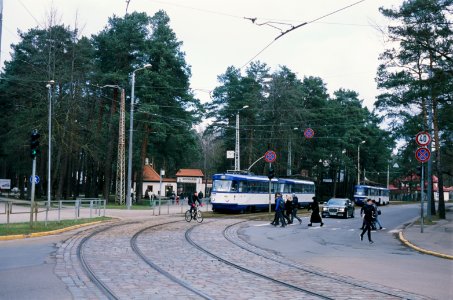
x,y
279,209
368,215
377,212
288,209
315,217
294,211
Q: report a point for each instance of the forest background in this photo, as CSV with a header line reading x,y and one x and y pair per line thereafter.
x,y
414,78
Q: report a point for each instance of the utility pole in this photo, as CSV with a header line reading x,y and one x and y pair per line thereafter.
x,y
1,24
121,162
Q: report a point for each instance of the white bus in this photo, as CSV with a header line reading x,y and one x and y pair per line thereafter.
x,y
239,192
376,193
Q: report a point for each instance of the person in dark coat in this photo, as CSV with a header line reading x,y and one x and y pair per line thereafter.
x,y
275,222
192,201
368,216
288,209
294,211
315,216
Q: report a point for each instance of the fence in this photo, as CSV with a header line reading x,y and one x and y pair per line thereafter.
x,y
20,210
168,205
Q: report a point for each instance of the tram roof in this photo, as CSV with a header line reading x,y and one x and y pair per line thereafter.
x,y
231,176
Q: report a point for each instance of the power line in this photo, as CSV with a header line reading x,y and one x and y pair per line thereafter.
x,y
296,27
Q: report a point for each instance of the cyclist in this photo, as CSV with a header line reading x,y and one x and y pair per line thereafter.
x,y
192,202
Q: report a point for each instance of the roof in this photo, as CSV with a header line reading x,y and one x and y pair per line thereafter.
x,y
149,174
189,173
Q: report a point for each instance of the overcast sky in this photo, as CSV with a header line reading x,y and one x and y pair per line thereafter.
x,y
342,49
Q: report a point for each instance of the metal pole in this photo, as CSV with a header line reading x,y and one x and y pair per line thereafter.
x,y
388,175
49,159
237,162
131,130
270,192
160,189
32,197
421,198
358,164
288,170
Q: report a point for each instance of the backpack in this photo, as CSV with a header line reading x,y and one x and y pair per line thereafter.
x,y
295,202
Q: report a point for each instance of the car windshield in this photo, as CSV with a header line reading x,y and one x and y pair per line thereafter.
x,y
336,202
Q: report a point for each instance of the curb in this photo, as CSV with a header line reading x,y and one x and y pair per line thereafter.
x,y
45,233
409,244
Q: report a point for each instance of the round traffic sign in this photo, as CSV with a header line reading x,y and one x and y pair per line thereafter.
x,y
422,154
423,138
36,179
270,156
309,133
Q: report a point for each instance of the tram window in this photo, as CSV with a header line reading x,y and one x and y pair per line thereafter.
x,y
234,186
221,186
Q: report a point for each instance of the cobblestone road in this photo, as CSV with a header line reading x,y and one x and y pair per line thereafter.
x,y
112,259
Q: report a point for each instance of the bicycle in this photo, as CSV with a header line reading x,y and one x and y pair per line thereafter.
x,y
195,215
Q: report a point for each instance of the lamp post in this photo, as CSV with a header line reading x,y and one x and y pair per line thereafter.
x,y
237,156
358,162
289,164
49,160
131,128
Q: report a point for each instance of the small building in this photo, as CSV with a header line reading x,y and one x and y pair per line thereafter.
x,y
151,183
187,181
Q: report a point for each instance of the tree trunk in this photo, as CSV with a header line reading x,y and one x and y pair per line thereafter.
x,y
108,160
143,153
440,183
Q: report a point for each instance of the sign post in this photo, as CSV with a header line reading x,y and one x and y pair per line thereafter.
x,y
270,156
422,154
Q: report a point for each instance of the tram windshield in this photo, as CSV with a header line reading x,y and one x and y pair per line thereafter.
x,y
221,186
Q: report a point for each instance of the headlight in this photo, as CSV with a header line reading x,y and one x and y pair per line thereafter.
x,y
341,209
325,208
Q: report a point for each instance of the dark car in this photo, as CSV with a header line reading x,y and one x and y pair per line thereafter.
x,y
338,207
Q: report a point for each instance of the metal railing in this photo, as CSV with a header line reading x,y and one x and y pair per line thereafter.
x,y
159,206
20,209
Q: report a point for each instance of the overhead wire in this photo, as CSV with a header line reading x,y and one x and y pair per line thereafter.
x,y
298,26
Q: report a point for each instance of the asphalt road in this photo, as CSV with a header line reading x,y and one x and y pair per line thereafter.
x,y
337,247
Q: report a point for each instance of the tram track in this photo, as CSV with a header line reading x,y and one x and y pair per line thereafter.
x,y
264,253
170,238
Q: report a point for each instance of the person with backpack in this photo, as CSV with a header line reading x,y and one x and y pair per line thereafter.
x,y
377,212
279,209
294,210
288,209
368,216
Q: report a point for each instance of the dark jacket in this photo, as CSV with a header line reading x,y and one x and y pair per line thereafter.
x,y
288,206
193,199
315,217
279,204
369,212
295,202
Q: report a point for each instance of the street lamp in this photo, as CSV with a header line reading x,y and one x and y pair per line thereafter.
x,y
237,156
358,162
49,164
131,128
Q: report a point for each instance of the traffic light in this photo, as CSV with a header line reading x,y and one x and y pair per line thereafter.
x,y
271,173
419,171
34,143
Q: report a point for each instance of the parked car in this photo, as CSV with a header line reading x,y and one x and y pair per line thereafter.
x,y
338,207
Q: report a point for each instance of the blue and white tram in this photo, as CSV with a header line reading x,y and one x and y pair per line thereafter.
x,y
376,193
239,192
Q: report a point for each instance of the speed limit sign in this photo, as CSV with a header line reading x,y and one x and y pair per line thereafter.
x,y
423,138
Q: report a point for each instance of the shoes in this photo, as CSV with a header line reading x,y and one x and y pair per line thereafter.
x,y
380,228
283,226
361,237
322,224
361,228
300,222
371,242
309,224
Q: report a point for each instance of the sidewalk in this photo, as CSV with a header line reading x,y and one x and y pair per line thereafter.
x,y
435,240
